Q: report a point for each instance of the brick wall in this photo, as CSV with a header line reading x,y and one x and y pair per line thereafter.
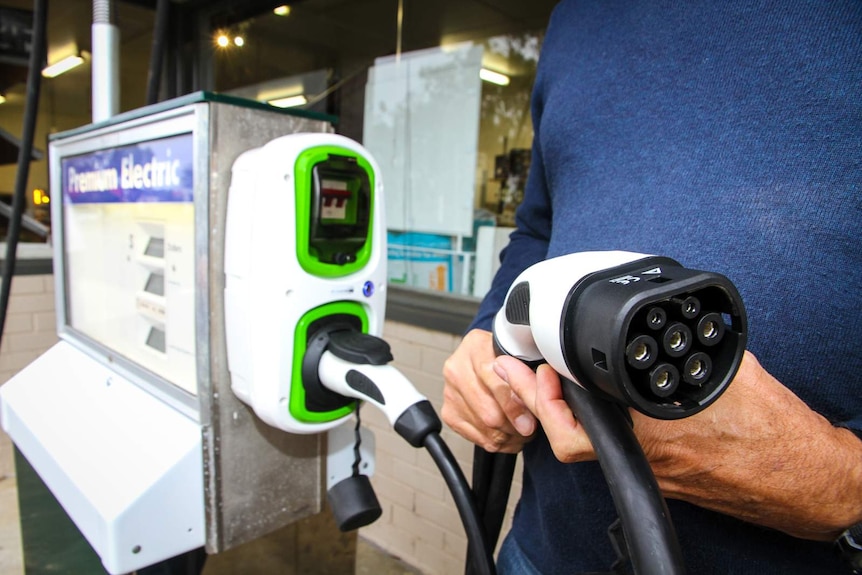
x,y
420,523
31,328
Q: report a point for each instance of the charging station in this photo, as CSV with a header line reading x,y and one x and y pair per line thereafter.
x,y
131,419
220,274
329,271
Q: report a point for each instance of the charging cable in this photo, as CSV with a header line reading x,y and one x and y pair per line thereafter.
x,y
623,330
354,364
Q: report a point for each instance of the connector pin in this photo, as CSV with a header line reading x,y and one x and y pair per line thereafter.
x,y
697,369
710,329
663,380
677,339
656,318
642,352
689,307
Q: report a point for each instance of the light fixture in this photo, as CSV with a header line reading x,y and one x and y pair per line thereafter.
x,y
289,101
283,10
239,41
222,40
494,77
63,66
40,197
2,98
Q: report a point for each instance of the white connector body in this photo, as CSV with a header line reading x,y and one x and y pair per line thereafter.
x,y
550,283
380,385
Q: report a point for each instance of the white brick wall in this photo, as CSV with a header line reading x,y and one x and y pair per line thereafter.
x,y
420,523
30,330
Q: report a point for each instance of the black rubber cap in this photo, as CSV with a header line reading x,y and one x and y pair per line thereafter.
x,y
354,503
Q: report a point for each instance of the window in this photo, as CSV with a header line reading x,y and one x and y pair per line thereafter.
x,y
438,92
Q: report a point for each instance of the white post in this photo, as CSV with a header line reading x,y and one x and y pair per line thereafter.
x,y
106,61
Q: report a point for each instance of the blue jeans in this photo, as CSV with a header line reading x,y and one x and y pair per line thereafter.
x,y
512,561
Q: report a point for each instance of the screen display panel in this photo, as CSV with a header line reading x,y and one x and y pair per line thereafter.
x,y
129,253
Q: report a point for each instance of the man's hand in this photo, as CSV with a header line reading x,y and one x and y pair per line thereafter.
x,y
478,404
758,453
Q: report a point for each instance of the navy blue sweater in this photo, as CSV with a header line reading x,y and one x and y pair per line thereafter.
x,y
728,136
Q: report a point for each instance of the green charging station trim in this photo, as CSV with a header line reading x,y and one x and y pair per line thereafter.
x,y
297,405
303,170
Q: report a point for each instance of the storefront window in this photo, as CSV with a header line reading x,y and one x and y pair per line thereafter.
x,y
438,92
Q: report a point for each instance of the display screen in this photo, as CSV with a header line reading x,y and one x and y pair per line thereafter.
x,y
129,253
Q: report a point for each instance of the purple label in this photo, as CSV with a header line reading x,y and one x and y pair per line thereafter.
x,y
154,171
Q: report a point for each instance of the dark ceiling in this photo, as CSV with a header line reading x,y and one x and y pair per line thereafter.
x,y
318,33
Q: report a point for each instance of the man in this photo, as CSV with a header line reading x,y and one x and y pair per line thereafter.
x,y
728,136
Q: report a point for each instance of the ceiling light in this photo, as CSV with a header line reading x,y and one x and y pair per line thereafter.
x,y
494,77
223,41
239,41
40,198
289,101
2,98
62,66
283,10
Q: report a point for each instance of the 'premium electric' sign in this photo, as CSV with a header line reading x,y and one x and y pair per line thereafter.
x,y
154,171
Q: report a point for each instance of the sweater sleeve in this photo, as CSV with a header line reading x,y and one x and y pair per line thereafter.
x,y
528,244
854,425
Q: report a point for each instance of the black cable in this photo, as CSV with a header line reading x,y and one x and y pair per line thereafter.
x,y
647,528
357,443
157,53
25,151
498,495
481,557
492,482
483,474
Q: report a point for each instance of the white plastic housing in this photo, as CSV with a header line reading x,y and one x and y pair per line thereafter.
x,y
550,282
266,289
125,466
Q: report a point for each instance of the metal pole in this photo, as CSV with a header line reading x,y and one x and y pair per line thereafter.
x,y
106,61
25,151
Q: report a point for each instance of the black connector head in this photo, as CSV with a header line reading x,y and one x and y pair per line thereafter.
x,y
663,339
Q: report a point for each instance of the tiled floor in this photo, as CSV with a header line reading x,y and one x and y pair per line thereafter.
x,y
370,560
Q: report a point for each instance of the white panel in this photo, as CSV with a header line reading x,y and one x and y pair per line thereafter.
x,y
128,218
126,467
422,125
385,130
490,241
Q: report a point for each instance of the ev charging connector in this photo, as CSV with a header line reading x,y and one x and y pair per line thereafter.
x,y
641,330
621,329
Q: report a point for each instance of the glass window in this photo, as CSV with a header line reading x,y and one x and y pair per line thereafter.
x,y
439,92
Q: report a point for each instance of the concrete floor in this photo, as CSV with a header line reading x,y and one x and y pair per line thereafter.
x,y
10,535
370,560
